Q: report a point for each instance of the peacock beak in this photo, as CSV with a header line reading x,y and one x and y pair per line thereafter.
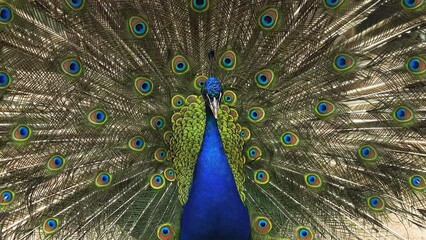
x,y
214,105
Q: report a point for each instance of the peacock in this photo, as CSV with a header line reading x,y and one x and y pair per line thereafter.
x,y
212,119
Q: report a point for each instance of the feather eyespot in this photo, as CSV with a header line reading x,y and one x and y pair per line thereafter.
x,y
376,203
5,80
324,108
165,232
289,139
256,114
264,78
261,177
137,143
416,65
157,181
254,153
75,4
178,101
412,4
268,19
98,117
21,133
190,99
103,179
333,3
50,225
245,133
72,67
180,65
303,233
138,27
367,153
168,136
229,97
144,86
417,182
6,197
160,154
262,225
228,60
6,14
56,163
343,62
199,82
403,114
158,122
313,180
200,5
170,174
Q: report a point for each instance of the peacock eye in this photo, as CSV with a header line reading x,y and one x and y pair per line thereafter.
x,y
417,182
170,174
376,203
50,225
256,114
199,82
261,177
403,114
303,233
264,78
343,62
136,143
56,163
103,179
75,4
6,14
98,117
72,67
416,65
245,133
178,101
333,3
157,181
144,86
254,153
138,27
4,80
6,197
160,154
180,65
324,108
262,225
21,133
367,153
228,61
199,5
412,4
168,136
313,180
165,232
268,19
289,139
157,122
229,97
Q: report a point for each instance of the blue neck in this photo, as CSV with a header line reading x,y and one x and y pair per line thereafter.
x,y
214,209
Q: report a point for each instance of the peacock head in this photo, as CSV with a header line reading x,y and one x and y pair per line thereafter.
x,y
212,93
